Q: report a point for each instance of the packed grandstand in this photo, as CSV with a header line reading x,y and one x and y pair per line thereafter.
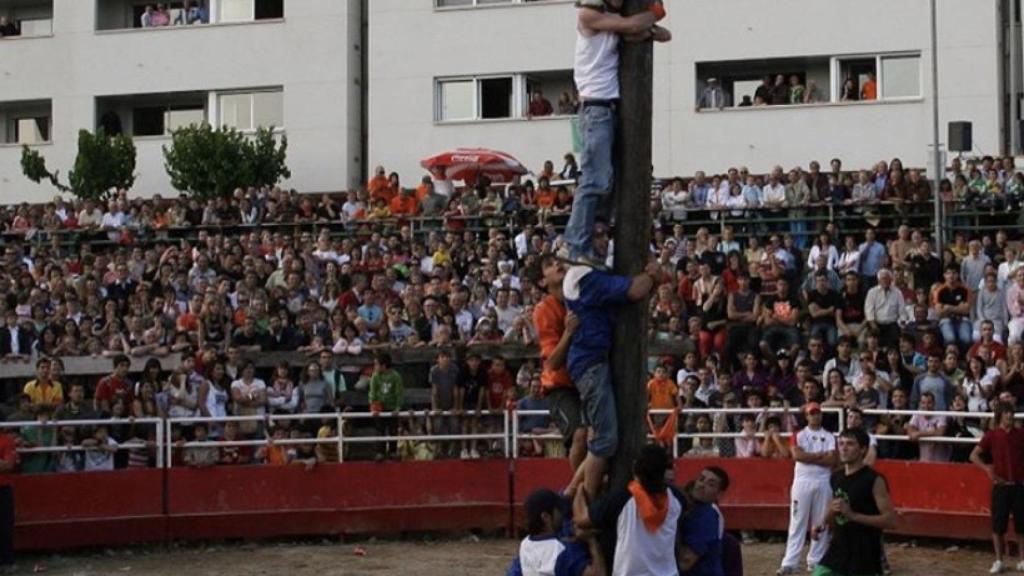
x,y
275,327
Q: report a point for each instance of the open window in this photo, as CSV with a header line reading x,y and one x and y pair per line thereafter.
x,y
25,122
26,18
474,98
556,87
150,114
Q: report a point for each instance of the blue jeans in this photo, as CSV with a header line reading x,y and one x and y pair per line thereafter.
x,y
597,125
595,387
956,331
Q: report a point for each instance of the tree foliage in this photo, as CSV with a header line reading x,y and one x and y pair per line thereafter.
x,y
103,165
206,163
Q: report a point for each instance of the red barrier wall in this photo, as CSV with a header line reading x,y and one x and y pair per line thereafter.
x,y
267,501
56,511
134,506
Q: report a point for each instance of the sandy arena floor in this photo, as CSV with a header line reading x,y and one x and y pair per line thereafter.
x,y
441,558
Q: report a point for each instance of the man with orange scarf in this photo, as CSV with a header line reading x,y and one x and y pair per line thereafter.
x,y
639,527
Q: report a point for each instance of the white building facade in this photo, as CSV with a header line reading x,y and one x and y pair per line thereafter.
x,y
447,73
81,64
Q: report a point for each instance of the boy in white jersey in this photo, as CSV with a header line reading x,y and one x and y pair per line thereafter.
x,y
814,450
596,73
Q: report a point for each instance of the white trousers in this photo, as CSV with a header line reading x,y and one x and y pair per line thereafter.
x,y
1016,329
809,501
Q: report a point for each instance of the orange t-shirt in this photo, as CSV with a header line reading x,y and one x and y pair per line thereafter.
x,y
549,319
545,199
403,206
276,455
869,91
661,393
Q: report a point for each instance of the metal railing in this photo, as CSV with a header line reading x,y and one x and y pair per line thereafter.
x,y
509,435
55,448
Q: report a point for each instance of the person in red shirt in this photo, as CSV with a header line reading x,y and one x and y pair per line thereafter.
x,y
555,327
114,385
1004,446
988,340
8,464
499,382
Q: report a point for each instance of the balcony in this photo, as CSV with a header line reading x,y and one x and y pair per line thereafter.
x,y
25,19
150,114
131,15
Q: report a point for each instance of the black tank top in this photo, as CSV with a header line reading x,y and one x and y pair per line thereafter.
x,y
743,303
855,548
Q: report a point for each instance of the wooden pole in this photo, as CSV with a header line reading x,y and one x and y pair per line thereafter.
x,y
632,244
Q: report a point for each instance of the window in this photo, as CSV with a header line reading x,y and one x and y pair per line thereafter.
x,y
162,120
475,99
854,75
252,110
807,80
249,10
457,100
32,130
502,97
762,82
496,98
557,88
156,114
25,122
901,76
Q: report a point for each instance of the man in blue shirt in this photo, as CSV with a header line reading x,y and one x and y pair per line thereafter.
x,y
547,549
593,295
701,537
872,257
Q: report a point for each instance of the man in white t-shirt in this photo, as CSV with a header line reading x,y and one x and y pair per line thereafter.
x,y
814,450
596,73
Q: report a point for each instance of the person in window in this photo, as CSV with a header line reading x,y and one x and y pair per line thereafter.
x,y
780,91
869,91
566,105
763,93
796,90
7,28
813,94
848,93
146,20
540,106
161,17
714,96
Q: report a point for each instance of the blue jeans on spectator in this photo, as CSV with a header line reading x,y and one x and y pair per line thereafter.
x,y
597,125
956,331
798,229
595,387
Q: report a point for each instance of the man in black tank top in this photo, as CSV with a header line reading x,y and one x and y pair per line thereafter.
x,y
860,510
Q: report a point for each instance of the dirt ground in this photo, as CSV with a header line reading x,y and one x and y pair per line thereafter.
x,y
439,558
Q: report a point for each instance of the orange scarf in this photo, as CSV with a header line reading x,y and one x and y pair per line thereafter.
x,y
653,509
666,435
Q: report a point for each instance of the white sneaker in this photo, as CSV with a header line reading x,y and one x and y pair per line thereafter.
x,y
785,571
811,567
474,454
1020,566
996,568
464,455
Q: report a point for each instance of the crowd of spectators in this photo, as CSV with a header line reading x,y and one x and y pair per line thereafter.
x,y
191,12
782,90
848,320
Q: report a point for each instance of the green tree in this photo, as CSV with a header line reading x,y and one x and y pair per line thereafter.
x,y
207,163
103,165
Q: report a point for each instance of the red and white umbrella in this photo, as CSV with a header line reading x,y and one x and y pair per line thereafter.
x,y
468,164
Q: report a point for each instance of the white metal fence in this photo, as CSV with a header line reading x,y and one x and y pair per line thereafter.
x,y
500,427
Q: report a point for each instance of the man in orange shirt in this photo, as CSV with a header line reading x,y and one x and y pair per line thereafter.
x,y
869,91
404,204
555,327
378,182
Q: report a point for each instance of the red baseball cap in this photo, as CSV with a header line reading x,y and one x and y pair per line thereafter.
x,y
812,407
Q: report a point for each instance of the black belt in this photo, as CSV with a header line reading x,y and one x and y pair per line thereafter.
x,y
613,104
